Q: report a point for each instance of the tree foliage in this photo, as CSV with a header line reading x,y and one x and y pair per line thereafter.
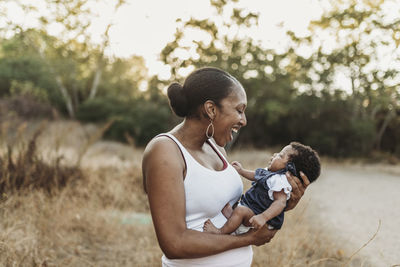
x,y
336,88
364,38
301,96
73,73
72,59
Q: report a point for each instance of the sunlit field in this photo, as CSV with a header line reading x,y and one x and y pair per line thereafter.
x,y
101,217
324,72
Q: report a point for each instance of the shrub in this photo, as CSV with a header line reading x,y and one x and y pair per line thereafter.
x,y
25,170
137,118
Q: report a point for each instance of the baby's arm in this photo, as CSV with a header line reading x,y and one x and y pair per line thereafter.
x,y
274,210
248,174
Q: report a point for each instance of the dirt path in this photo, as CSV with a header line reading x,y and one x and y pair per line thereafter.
x,y
350,200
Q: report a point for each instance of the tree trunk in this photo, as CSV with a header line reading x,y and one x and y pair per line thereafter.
x,y
354,98
67,98
96,82
61,87
389,116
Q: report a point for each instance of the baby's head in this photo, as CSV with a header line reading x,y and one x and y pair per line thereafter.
x,y
303,157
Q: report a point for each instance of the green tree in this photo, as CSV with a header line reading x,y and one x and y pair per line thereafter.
x,y
296,95
72,59
363,37
19,63
124,78
225,43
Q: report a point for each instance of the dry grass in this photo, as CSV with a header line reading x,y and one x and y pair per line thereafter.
x,y
300,242
103,219
86,222
25,170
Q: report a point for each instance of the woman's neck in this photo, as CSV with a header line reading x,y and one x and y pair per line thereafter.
x,y
191,133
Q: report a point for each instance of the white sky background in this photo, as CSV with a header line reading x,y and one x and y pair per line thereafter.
x,y
145,27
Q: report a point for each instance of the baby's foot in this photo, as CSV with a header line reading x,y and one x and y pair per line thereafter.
x,y
209,227
227,211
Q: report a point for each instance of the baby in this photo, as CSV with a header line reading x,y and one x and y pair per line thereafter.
x,y
266,200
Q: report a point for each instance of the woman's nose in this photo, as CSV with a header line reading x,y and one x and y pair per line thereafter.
x,y
243,119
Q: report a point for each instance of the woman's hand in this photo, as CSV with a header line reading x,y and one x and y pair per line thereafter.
x,y
262,235
298,189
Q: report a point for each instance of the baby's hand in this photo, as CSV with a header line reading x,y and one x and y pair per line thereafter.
x,y
257,221
236,165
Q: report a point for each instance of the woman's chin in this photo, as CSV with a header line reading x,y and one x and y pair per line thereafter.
x,y
221,142
229,139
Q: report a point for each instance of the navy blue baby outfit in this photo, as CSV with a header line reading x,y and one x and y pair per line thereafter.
x,y
257,199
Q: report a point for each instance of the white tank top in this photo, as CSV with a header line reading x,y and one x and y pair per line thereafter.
x,y
206,193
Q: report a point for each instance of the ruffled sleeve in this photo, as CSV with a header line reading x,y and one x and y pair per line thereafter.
x,y
276,183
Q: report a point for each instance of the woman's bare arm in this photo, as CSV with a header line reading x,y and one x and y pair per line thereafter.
x,y
163,170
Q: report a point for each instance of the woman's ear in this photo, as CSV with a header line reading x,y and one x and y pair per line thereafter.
x,y
211,109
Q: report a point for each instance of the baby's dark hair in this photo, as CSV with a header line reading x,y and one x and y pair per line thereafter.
x,y
306,160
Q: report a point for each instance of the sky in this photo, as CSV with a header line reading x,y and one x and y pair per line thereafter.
x,y
144,27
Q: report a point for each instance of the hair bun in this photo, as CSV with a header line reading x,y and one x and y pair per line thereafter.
x,y
177,99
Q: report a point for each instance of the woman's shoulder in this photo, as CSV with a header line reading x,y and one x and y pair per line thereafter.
x,y
162,150
161,144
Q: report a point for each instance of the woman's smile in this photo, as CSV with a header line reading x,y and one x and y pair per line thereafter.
x,y
235,129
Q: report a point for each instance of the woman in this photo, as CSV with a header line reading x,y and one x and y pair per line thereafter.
x,y
184,171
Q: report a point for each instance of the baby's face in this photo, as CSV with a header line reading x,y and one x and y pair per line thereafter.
x,y
279,160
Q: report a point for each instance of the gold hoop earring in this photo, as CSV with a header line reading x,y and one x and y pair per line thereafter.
x,y
212,130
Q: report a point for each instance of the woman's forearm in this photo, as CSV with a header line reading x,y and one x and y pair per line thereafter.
x,y
195,244
166,194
